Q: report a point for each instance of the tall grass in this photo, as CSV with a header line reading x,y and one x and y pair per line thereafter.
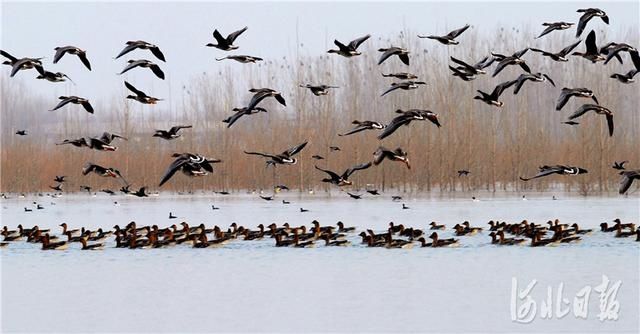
x,y
496,145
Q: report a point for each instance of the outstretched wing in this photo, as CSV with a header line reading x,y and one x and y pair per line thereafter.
x,y
65,100
610,123
501,87
132,64
563,99
134,90
569,48
391,89
395,124
232,36
355,168
156,52
7,55
457,32
331,174
356,42
294,150
625,183
357,129
262,154
581,111
157,71
544,172
590,43
379,155
130,47
173,168
583,22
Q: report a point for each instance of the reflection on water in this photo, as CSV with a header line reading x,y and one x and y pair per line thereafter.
x,y
253,286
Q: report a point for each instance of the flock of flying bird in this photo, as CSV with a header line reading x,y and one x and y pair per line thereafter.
x,y
396,236
192,164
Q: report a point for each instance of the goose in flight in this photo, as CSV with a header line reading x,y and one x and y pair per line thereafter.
x,y
241,59
343,180
448,39
537,77
515,59
588,14
555,26
362,126
401,76
102,171
403,54
407,117
627,180
600,110
190,164
171,133
241,112
625,78
567,93
404,85
351,49
144,64
140,95
103,143
21,132
614,50
591,53
51,76
75,100
492,99
619,165
284,158
318,90
477,68
559,56
396,155
132,45
23,64
261,94
226,44
72,50
557,169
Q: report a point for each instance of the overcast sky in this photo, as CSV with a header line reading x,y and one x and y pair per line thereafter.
x,y
182,29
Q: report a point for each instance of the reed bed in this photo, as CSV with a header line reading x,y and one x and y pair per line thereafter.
x,y
496,145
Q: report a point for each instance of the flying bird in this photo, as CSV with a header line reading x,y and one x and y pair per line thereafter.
x,y
75,100
362,126
261,94
284,158
343,180
318,90
226,44
351,49
144,64
592,53
404,85
588,14
190,164
557,169
171,133
72,50
241,112
561,55
51,76
555,26
627,179
619,165
448,39
401,76
515,59
102,171
132,45
567,93
396,155
537,77
21,132
403,54
140,95
492,99
245,59
407,117
600,110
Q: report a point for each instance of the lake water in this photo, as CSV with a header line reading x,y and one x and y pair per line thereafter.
x,y
255,287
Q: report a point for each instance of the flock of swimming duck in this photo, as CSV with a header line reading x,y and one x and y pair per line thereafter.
x,y
194,164
396,236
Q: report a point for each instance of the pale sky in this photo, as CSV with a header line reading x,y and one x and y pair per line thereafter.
x,y
181,30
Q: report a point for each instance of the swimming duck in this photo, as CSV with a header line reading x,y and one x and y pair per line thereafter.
x,y
304,210
448,39
362,126
72,50
144,64
342,180
284,158
591,53
351,49
190,165
492,99
226,44
402,53
437,242
397,243
537,77
75,100
318,90
48,245
140,96
132,45
567,93
577,230
555,26
627,180
561,56
396,155
589,13
508,241
407,117
241,112
328,242
51,76
404,85
343,229
536,241
262,93
245,59
405,207
600,110
556,169
171,133
435,226
401,76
